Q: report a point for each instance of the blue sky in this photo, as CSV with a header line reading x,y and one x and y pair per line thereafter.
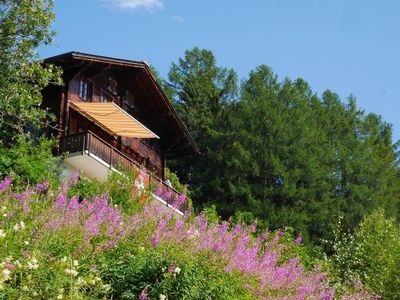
x,y
348,46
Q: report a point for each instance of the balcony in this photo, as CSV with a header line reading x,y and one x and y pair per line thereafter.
x,y
96,158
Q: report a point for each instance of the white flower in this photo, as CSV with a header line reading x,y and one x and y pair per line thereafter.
x,y
97,278
22,225
75,263
32,266
4,207
6,273
163,297
106,287
71,272
5,215
2,233
16,227
60,297
34,260
177,270
64,259
26,243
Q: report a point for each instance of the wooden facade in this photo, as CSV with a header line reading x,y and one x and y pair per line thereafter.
x,y
131,86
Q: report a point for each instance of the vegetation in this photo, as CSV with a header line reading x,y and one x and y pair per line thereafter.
x,y
56,247
278,153
274,154
24,25
371,255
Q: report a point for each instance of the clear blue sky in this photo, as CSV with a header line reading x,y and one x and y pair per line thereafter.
x,y
348,46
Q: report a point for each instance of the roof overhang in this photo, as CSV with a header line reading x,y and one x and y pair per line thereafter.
x,y
186,144
113,119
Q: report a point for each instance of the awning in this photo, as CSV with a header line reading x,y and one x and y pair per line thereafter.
x,y
113,119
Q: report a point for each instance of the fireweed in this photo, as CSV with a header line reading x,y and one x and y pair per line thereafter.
x,y
50,245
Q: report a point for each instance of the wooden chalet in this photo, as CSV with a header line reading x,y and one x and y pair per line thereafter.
x,y
112,112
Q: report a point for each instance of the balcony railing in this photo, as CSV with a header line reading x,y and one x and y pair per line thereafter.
x,y
88,142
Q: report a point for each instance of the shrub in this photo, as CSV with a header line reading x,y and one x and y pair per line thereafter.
x,y
29,162
370,255
54,247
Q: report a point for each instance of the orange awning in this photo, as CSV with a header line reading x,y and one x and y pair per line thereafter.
x,y
113,119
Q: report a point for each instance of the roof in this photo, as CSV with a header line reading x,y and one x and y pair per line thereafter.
x,y
113,119
181,148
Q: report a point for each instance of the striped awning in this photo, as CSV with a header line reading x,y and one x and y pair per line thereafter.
x,y
113,119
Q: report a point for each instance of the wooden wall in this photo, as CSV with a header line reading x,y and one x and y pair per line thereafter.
x,y
148,153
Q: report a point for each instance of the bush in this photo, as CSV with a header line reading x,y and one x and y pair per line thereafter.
x,y
370,255
55,247
29,162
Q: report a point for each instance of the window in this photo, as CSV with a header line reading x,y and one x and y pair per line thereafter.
x,y
85,90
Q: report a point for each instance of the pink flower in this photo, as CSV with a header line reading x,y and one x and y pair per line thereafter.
x,y
40,187
5,184
144,295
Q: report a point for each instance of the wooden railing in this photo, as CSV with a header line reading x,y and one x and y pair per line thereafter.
x,y
88,142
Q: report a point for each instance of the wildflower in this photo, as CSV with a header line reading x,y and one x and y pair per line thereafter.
x,y
26,243
40,187
60,296
9,265
177,270
32,266
6,274
143,295
298,240
71,272
163,297
106,287
5,184
64,259
19,226
171,269
75,263
2,233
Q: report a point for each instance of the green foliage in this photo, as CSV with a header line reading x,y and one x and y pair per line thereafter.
x,y
30,162
175,181
371,254
203,91
280,154
86,188
131,269
212,215
24,25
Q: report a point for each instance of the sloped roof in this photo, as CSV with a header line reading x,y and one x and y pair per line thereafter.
x,y
181,141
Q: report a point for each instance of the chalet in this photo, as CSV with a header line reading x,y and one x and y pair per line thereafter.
x,y
112,112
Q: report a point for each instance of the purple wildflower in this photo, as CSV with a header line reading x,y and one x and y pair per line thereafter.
x,y
144,295
40,187
5,184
